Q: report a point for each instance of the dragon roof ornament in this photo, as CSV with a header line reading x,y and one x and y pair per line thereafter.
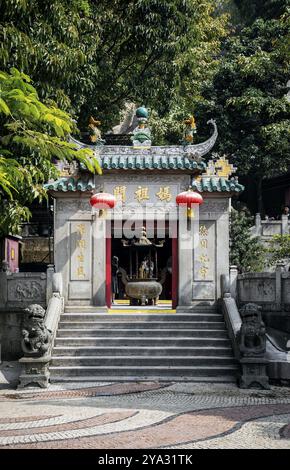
x,y
199,150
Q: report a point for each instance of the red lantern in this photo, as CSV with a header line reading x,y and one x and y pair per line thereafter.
x,y
188,198
103,201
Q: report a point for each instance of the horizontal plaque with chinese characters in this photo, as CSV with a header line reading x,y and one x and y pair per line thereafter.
x,y
142,193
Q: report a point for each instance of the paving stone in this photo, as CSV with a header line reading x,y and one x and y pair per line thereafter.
x,y
145,415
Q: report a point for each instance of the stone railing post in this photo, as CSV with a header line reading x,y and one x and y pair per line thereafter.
x,y
258,224
57,284
3,289
49,277
284,229
278,284
233,281
225,286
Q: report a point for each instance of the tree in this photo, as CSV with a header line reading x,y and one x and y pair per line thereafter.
x,y
196,66
248,97
279,249
246,252
250,10
32,136
87,54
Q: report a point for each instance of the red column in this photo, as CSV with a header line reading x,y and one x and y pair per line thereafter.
x,y
108,265
174,272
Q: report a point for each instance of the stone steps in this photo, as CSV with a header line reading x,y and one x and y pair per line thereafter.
x,y
137,332
115,309
129,318
138,346
146,351
146,341
143,372
153,378
131,361
144,325
142,361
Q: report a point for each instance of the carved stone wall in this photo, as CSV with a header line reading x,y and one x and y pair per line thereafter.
x,y
66,205
18,290
270,290
214,205
258,289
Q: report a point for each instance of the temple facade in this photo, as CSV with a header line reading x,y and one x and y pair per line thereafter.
x,y
141,287
145,181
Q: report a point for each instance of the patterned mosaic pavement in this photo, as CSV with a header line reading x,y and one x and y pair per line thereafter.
x,y
145,415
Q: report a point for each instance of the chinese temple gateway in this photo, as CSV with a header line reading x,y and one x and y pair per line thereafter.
x,y
141,285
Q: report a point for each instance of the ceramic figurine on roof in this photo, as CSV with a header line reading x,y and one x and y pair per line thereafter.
x,y
94,132
190,129
141,135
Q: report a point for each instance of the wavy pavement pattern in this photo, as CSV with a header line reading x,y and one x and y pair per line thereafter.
x,y
215,428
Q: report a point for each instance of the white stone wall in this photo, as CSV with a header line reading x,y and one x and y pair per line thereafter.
x,y
80,242
79,254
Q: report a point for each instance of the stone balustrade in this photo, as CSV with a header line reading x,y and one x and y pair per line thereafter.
x,y
18,290
35,369
266,229
270,290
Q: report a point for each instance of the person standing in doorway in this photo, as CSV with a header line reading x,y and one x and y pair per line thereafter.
x,y
115,281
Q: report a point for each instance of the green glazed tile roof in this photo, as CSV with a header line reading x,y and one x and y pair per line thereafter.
x,y
118,157
206,184
71,184
217,184
149,162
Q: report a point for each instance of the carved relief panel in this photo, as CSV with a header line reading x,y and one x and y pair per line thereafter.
x,y
21,288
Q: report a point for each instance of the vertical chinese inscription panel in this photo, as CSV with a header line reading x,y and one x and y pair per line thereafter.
x,y
80,251
204,255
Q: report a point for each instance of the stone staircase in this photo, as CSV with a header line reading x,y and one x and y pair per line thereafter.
x,y
108,347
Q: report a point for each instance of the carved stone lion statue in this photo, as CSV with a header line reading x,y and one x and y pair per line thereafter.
x,y
36,336
252,335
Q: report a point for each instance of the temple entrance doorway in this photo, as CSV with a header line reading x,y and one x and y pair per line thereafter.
x,y
141,271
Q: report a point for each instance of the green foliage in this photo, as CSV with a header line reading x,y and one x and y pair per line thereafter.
x,y
32,134
248,96
169,129
246,252
87,55
12,213
9,173
279,248
251,9
196,67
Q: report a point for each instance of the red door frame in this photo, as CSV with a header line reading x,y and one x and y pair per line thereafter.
x,y
108,264
174,288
